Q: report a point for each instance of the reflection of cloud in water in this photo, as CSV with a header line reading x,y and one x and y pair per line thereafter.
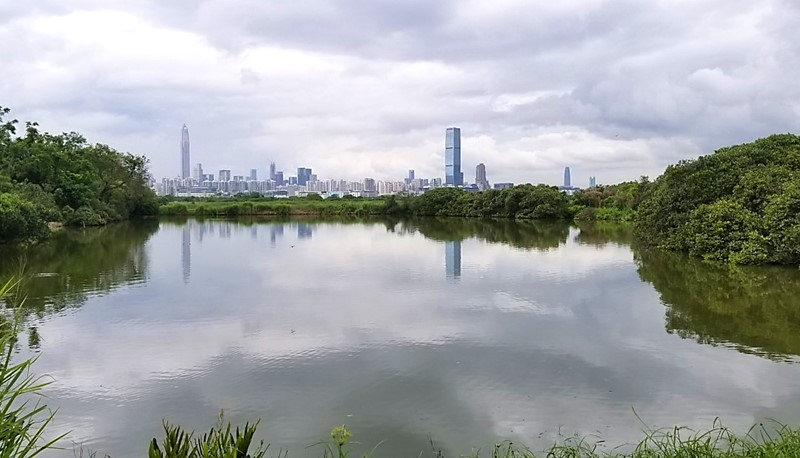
x,y
524,342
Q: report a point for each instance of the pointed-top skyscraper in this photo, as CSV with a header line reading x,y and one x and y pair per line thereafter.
x,y
185,159
567,178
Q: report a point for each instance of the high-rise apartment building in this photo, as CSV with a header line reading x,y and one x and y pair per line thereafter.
x,y
303,176
480,177
197,172
452,157
224,175
185,165
253,174
567,178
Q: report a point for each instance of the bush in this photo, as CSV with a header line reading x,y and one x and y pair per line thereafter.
x,y
21,219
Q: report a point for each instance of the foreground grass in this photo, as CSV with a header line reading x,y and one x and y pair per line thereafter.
x,y
717,442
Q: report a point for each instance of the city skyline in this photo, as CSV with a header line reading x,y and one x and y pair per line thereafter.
x,y
305,181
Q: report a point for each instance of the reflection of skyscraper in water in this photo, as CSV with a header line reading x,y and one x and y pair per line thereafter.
x,y
254,231
275,232
225,229
186,251
303,231
452,258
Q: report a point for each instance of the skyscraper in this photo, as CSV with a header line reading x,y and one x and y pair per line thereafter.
x,y
224,175
253,174
272,170
197,172
452,157
480,177
567,178
185,152
279,178
303,176
592,182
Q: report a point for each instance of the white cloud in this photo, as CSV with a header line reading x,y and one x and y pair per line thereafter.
x,y
353,89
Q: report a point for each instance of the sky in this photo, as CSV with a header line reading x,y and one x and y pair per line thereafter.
x,y
366,88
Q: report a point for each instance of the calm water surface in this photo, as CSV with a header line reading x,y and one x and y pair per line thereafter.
x,y
463,331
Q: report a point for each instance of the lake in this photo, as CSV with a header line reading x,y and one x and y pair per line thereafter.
x,y
460,332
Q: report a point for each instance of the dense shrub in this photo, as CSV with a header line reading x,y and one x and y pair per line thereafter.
x,y
21,219
740,204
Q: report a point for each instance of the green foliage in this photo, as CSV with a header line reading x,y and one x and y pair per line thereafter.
x,y
752,309
21,219
523,201
739,204
219,442
58,173
22,422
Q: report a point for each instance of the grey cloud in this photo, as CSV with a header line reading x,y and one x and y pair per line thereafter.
x,y
376,82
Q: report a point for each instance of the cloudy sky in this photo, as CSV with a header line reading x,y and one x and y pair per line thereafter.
x,y
366,88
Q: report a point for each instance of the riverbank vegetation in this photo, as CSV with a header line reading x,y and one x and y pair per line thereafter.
x,y
47,178
740,204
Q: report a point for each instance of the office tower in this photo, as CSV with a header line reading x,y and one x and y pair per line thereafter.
x,y
303,175
272,171
410,176
452,258
197,172
592,182
279,178
253,174
292,181
567,178
185,152
224,175
480,177
452,157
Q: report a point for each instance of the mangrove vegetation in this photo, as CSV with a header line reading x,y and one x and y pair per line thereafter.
x,y
46,178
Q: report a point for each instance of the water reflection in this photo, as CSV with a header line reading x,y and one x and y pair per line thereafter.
x,y
756,310
186,251
452,250
75,264
554,325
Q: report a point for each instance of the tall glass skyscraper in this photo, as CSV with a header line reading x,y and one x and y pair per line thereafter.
x,y
567,178
185,165
452,157
303,176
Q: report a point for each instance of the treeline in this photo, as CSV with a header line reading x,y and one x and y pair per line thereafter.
x,y
62,178
740,204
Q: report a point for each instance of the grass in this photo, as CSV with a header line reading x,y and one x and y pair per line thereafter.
x,y
22,421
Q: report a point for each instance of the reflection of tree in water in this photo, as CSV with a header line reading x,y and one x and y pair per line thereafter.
x,y
535,235
754,309
62,271
602,233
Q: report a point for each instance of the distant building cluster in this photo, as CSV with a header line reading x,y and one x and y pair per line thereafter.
x,y
194,181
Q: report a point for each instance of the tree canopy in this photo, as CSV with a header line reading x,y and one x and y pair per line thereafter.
x,y
740,204
63,178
